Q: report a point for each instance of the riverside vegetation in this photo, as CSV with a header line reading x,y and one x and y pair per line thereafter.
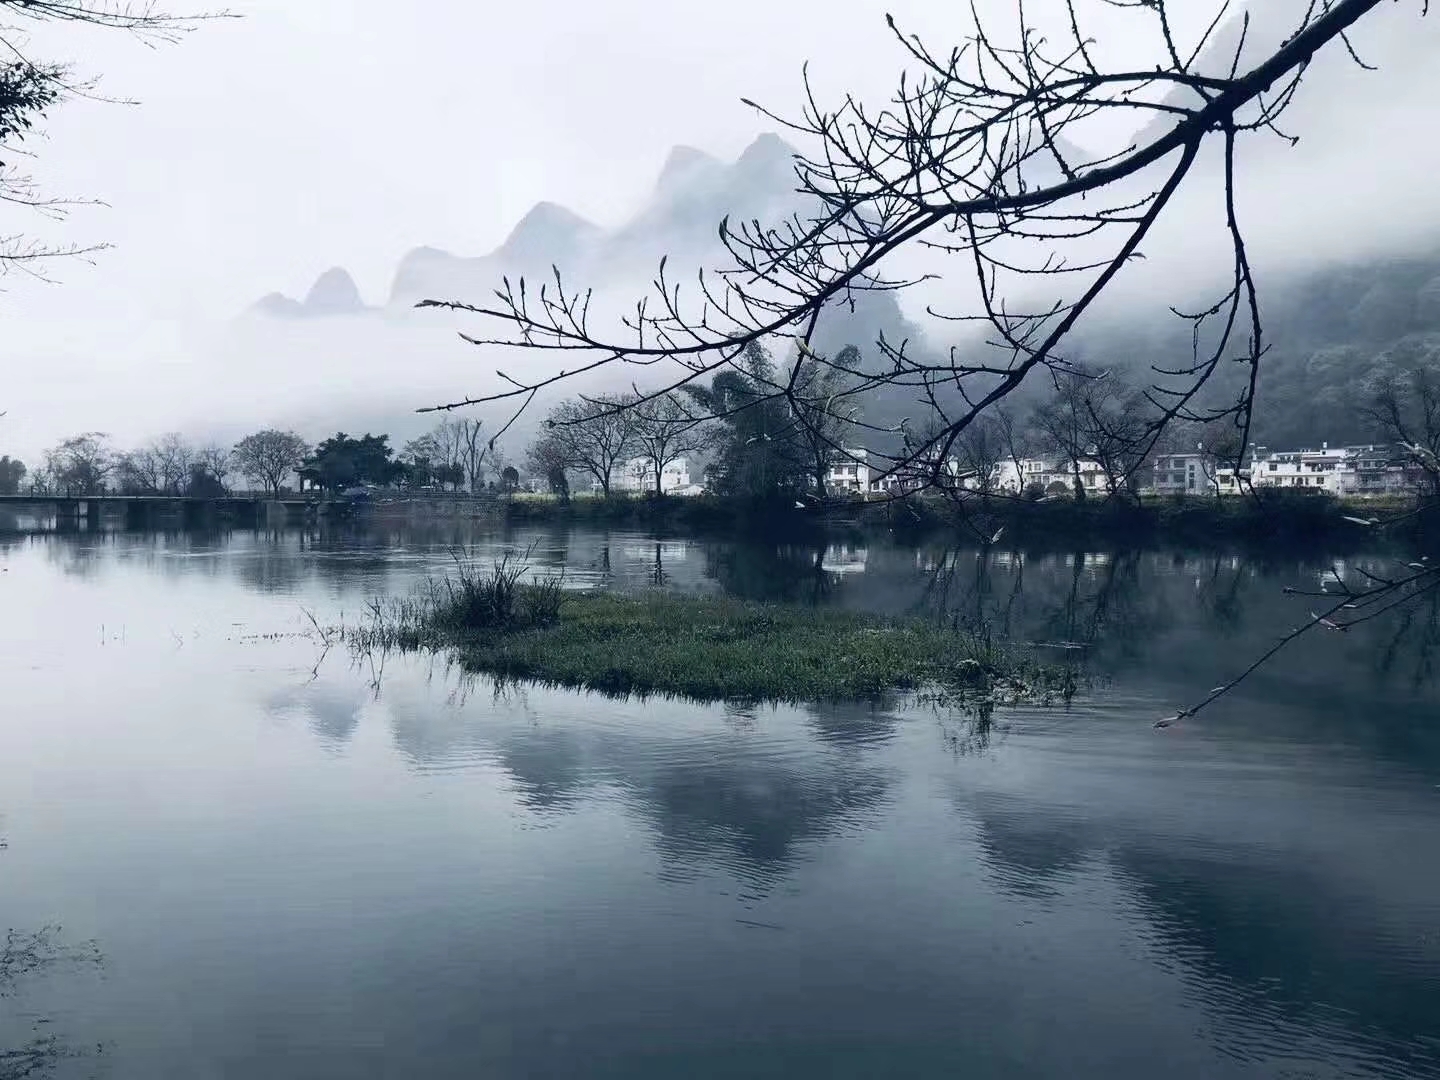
x,y
706,648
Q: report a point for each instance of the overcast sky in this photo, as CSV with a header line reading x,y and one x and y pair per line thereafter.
x,y
346,132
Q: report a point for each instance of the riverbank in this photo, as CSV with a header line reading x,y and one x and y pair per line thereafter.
x,y
705,647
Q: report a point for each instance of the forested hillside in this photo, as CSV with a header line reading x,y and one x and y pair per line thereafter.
x,y
1335,336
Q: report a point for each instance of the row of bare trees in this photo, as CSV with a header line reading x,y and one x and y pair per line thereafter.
x,y
454,454
759,445
598,436
88,464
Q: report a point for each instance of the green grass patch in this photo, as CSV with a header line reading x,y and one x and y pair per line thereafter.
x,y
702,647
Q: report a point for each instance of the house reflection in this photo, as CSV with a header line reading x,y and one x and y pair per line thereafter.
x,y
844,559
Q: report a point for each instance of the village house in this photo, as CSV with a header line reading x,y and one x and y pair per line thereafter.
x,y
915,476
849,473
1349,471
637,476
1011,477
1177,474
1340,470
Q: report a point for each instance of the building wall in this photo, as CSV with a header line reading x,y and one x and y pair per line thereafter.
x,y
638,475
1345,470
848,475
1340,470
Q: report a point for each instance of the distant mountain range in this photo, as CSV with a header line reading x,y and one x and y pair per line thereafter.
x,y
692,194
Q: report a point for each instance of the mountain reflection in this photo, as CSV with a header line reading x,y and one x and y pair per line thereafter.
x,y
1261,948
845,724
1029,853
730,804
726,797
332,710
1252,932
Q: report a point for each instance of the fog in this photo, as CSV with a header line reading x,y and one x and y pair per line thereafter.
x,y
348,133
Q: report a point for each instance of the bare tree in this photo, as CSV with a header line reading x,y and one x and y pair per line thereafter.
x,y
137,472
1014,439
546,458
81,464
826,415
982,451
216,460
1219,448
974,158
270,456
172,455
594,435
29,87
1063,426
1406,408
1119,433
472,450
1094,417
664,430
448,441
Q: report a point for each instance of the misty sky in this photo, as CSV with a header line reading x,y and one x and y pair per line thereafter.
x,y
346,132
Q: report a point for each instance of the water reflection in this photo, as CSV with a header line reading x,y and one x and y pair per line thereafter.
x,y
1031,853
1258,948
855,725
735,799
1410,646
332,710
1248,924
440,876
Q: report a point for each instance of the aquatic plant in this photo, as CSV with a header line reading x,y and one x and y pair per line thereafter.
x,y
705,647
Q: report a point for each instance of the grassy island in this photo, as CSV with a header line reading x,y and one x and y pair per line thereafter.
x,y
703,647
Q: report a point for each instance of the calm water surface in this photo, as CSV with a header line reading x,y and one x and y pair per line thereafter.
x,y
230,854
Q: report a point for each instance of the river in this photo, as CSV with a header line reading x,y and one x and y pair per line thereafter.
x,y
232,853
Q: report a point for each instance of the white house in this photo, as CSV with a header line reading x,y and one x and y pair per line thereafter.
x,y
1340,470
849,473
1373,470
1178,474
1012,477
638,476
1092,475
1195,474
919,474
1314,470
